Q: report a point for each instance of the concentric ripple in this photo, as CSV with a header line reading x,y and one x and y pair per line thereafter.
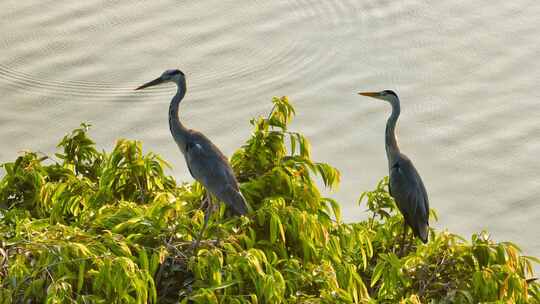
x,y
66,51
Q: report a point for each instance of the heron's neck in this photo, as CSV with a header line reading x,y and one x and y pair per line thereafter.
x,y
178,131
392,149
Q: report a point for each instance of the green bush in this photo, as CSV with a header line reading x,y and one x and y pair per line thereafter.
x,y
97,227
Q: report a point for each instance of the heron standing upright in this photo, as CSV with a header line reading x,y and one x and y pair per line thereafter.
x,y
205,161
406,186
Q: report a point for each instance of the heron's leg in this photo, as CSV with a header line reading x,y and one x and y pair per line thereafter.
x,y
410,243
207,213
204,202
402,245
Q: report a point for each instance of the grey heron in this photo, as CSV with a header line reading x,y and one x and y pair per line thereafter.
x,y
405,185
204,160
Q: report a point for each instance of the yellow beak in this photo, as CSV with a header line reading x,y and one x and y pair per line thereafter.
x,y
369,94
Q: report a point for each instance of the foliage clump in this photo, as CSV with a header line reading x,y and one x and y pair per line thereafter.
x,y
98,227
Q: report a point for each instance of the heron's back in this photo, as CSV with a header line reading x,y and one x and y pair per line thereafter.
x,y
409,192
211,168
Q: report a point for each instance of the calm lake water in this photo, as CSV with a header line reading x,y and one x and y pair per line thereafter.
x,y
467,73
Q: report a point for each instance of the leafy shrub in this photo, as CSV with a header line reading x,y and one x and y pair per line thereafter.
x,y
97,227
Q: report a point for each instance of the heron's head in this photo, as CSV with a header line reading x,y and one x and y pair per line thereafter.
x,y
387,95
175,76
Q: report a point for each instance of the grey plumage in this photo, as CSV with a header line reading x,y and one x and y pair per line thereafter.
x,y
407,189
205,161
406,186
211,168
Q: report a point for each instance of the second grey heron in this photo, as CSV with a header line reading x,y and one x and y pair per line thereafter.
x,y
406,186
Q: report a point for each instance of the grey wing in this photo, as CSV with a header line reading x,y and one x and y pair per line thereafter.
x,y
235,199
210,167
411,197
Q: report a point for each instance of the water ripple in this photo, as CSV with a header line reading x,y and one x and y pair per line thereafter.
x,y
68,40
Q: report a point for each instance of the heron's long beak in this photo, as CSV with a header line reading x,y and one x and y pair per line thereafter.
x,y
369,94
154,82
